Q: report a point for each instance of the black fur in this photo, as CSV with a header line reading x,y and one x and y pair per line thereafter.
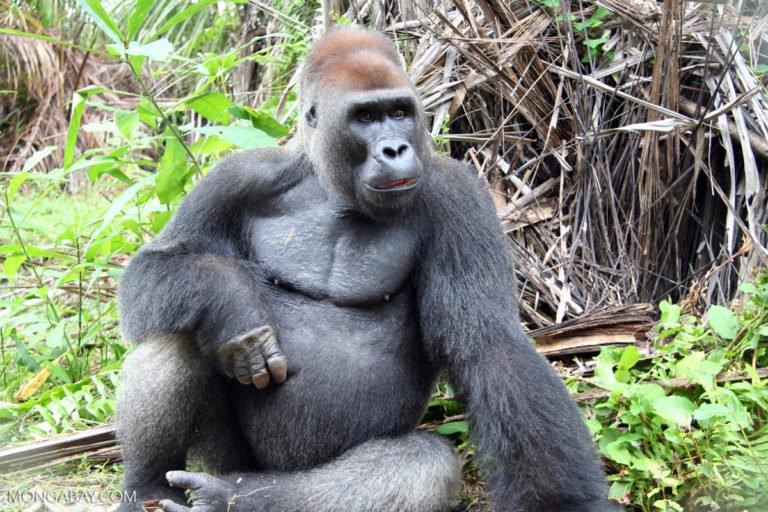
x,y
371,270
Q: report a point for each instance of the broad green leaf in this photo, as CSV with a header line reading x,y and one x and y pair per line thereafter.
x,y
260,120
12,263
618,451
159,222
604,376
138,16
241,136
209,145
156,50
171,171
707,412
723,322
37,157
214,107
127,122
55,338
674,410
629,358
453,427
102,19
670,313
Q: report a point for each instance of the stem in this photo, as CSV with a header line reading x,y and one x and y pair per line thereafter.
x,y
167,122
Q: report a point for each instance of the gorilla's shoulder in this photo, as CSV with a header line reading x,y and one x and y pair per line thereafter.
x,y
454,184
265,169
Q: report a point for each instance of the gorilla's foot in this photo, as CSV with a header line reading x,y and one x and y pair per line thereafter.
x,y
147,498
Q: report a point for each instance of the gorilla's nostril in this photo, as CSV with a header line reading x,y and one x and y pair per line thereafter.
x,y
402,149
390,152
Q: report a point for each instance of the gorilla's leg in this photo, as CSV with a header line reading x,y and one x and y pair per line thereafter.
x,y
171,400
418,472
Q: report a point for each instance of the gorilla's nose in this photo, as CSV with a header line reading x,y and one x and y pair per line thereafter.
x,y
397,158
393,151
388,152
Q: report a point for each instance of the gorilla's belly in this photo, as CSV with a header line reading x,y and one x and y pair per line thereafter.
x,y
353,374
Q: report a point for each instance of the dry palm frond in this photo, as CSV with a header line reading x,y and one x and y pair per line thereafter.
x,y
622,178
42,77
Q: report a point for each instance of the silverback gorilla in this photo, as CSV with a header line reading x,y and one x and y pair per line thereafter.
x,y
293,317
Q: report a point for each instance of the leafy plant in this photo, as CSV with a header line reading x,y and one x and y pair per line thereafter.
x,y
687,428
59,339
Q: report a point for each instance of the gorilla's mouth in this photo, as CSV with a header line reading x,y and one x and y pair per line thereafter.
x,y
404,184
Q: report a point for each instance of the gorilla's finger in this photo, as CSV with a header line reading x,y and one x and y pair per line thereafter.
x,y
270,347
278,367
257,370
187,480
247,362
169,506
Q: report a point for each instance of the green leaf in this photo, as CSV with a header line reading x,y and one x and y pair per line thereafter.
x,y
117,206
127,122
618,451
674,410
156,50
24,358
453,427
183,15
16,182
78,104
159,222
12,263
594,43
670,313
214,107
707,412
241,136
723,322
171,171
260,120
102,19
138,16
37,157
209,145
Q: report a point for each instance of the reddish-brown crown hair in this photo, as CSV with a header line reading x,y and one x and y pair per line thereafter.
x,y
353,60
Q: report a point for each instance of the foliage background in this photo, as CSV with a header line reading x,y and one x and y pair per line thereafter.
x,y
625,143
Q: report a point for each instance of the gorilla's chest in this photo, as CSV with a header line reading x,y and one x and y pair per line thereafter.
x,y
347,260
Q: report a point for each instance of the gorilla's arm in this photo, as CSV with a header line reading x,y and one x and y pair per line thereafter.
x,y
534,446
194,277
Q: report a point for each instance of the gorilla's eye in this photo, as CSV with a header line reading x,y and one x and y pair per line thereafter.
x,y
398,113
365,116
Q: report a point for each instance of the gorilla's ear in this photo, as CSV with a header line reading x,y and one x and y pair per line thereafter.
x,y
311,117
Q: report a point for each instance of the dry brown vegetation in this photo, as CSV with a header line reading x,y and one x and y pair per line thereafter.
x,y
623,180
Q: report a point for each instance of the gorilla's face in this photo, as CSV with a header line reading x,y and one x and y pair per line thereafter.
x,y
367,146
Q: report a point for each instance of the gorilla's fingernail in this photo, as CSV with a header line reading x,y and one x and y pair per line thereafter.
x,y
261,380
244,380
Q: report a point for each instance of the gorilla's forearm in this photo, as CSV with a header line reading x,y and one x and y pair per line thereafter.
x,y
519,411
537,451
215,297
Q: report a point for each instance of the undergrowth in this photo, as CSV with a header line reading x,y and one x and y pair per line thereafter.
x,y
682,427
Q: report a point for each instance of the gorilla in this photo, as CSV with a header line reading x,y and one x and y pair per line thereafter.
x,y
293,317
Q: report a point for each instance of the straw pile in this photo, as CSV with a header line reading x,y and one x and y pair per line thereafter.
x,y
636,175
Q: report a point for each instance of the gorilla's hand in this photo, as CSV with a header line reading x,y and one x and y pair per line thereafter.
x,y
254,357
209,494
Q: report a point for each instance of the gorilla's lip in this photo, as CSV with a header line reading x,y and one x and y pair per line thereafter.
x,y
397,185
